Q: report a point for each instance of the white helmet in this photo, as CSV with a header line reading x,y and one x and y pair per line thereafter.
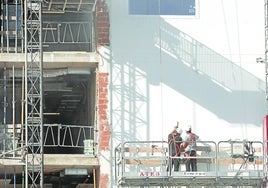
x,y
180,131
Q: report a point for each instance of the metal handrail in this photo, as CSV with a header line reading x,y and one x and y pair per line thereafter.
x,y
57,135
220,155
75,134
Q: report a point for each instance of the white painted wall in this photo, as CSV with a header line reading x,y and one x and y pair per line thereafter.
x,y
200,71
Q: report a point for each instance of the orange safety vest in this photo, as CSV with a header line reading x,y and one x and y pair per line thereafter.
x,y
176,144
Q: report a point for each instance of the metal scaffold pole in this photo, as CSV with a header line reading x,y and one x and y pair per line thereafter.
x,y
266,51
2,26
265,132
34,168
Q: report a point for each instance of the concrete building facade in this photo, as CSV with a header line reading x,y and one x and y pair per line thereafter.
x,y
121,71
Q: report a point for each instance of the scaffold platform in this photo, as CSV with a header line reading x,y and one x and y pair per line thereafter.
x,y
226,163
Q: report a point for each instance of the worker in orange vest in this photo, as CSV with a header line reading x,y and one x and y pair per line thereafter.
x,y
174,143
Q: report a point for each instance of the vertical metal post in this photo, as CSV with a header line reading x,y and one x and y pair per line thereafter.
x,y
5,108
2,16
22,123
58,33
22,108
33,94
5,121
266,52
266,82
5,171
16,26
7,25
14,177
21,25
13,109
94,177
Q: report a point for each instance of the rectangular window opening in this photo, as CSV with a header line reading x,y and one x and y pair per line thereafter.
x,y
162,7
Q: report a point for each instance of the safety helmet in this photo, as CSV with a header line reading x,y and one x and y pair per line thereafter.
x,y
180,131
188,128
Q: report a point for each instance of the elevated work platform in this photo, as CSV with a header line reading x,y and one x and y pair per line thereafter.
x,y
230,163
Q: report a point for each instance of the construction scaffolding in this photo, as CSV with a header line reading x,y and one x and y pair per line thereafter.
x,y
26,143
11,40
34,176
72,28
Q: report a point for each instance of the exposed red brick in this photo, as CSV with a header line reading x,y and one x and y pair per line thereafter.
x,y
104,127
104,179
103,31
103,74
105,131
103,106
103,95
103,78
103,24
104,123
104,145
103,18
105,41
103,116
105,90
102,112
104,141
103,101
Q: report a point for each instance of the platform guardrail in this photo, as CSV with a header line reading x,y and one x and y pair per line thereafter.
x,y
228,163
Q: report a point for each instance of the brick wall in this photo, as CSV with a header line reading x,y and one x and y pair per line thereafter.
x,y
104,127
103,34
103,24
104,181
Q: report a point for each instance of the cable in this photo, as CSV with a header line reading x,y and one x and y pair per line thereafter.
x,y
243,126
161,75
244,114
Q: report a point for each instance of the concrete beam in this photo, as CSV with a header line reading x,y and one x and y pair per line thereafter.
x,y
53,59
53,163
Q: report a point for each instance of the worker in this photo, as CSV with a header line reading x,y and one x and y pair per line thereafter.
x,y
174,142
189,146
249,151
